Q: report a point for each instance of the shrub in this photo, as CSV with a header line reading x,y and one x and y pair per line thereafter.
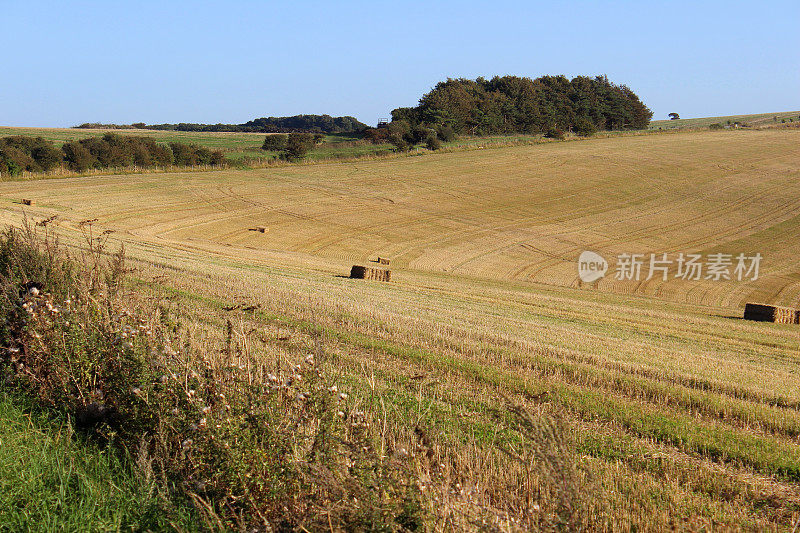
x,y
32,154
377,135
420,133
446,133
275,142
183,154
297,146
715,126
400,144
433,143
585,127
77,156
554,133
13,161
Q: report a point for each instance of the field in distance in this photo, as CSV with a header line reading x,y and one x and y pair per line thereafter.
x,y
239,147
682,415
760,119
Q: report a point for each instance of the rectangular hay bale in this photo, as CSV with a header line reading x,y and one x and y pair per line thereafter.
x,y
377,274
26,201
771,313
383,261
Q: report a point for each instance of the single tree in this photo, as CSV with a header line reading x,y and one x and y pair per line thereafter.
x,y
674,116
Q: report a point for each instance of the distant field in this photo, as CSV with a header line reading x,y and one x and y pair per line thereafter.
x,y
684,415
238,147
763,119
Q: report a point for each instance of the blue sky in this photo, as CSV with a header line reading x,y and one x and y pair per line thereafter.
x,y
181,61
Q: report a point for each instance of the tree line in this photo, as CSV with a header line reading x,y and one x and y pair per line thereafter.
x,y
297,123
35,154
512,104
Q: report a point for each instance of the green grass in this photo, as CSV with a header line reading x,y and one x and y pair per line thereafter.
x,y
52,480
761,119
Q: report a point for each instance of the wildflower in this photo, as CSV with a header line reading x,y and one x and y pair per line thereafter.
x,y
333,389
190,393
34,291
174,411
205,410
301,396
187,443
136,390
203,423
310,359
340,414
343,396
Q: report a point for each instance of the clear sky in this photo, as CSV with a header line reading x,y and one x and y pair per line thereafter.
x,y
64,63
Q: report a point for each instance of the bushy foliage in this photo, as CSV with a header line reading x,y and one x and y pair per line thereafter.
x,y
584,127
19,153
35,154
193,155
405,136
377,135
275,142
297,146
297,123
433,142
446,133
305,123
512,104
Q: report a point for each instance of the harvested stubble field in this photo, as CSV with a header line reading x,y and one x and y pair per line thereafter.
x,y
679,414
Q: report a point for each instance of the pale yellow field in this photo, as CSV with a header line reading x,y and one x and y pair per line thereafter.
x,y
520,213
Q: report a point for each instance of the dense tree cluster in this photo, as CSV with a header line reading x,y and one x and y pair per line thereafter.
x,y
297,123
35,154
29,154
306,123
512,104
